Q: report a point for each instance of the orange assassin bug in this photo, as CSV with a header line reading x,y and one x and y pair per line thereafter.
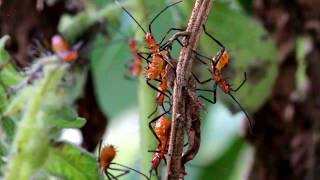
x,y
136,66
159,57
216,65
161,131
61,48
106,156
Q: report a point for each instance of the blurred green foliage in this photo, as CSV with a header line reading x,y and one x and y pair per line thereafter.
x,y
68,161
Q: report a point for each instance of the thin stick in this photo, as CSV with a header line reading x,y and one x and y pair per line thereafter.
x,y
198,18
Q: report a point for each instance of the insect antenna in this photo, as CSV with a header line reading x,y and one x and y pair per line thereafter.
x,y
131,169
116,1
244,111
163,10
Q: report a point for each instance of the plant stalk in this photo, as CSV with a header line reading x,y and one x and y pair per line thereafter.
x,y
182,83
30,144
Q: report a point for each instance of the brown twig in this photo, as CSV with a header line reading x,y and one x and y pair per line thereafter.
x,y
180,107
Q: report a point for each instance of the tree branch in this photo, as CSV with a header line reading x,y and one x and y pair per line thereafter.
x,y
180,107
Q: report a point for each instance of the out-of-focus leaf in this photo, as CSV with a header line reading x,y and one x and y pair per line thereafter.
x,y
3,151
42,175
73,85
218,131
4,55
64,117
70,162
220,140
7,128
224,167
8,74
247,5
108,65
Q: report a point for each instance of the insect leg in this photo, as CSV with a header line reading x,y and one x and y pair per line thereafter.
x,y
145,58
153,87
196,57
201,82
154,111
127,170
210,36
108,175
167,33
244,111
214,93
242,83
200,55
123,171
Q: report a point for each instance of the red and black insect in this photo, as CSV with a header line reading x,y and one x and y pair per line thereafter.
x,y
159,53
62,49
161,131
159,56
136,65
217,63
166,81
106,156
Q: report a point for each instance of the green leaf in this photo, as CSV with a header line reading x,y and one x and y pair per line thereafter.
x,y
4,55
221,145
8,74
3,152
8,126
64,117
108,66
224,167
71,162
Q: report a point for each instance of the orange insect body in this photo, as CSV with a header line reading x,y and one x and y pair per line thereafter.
x,y
136,68
156,66
68,56
224,60
107,154
162,130
59,44
61,48
224,85
163,87
154,47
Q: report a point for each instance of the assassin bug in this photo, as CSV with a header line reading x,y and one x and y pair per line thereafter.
x,y
159,54
166,81
161,131
106,156
62,49
216,65
136,67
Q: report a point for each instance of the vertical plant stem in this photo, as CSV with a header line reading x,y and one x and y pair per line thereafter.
x,y
31,141
146,97
198,18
